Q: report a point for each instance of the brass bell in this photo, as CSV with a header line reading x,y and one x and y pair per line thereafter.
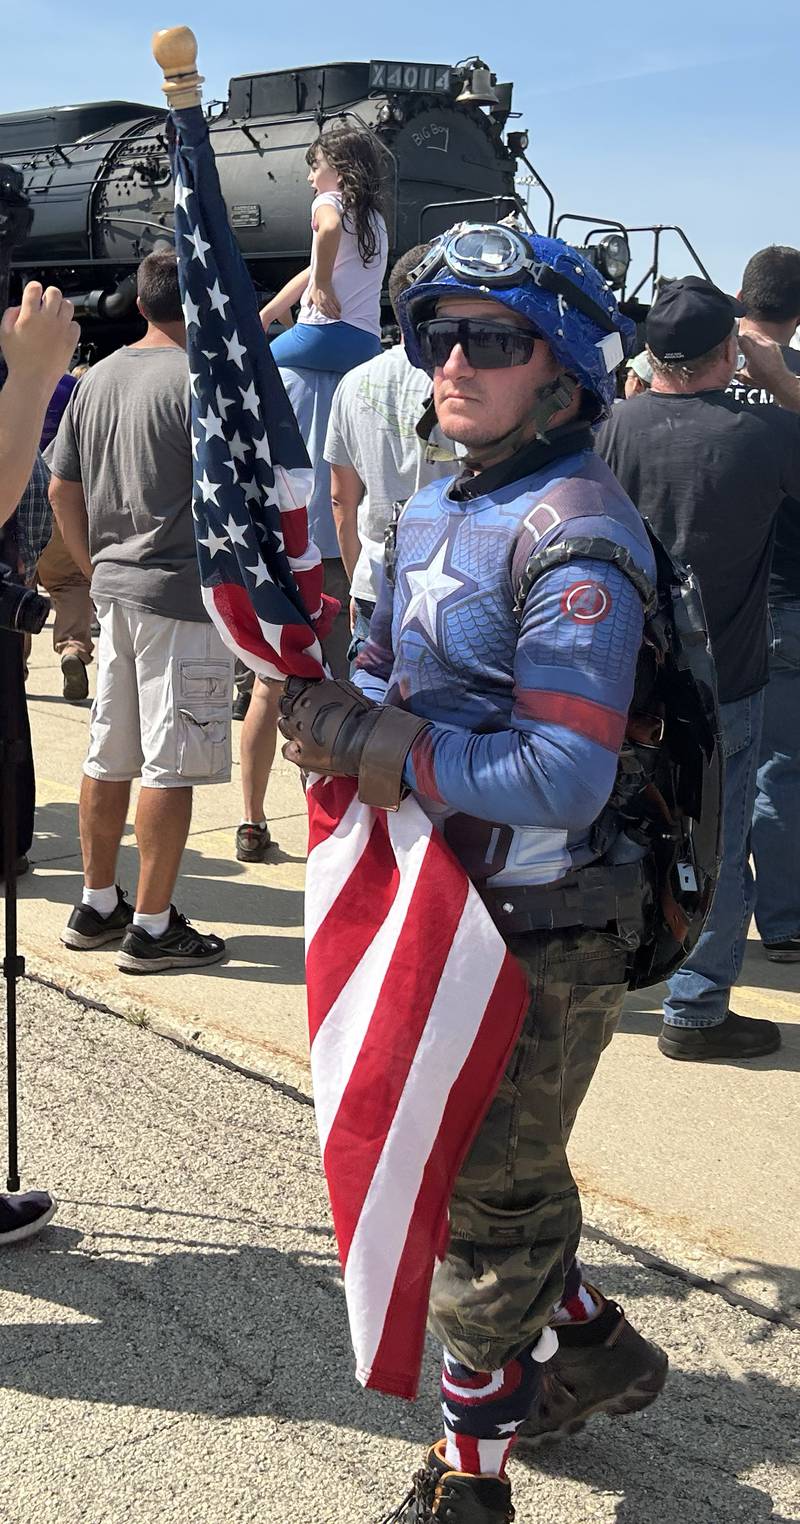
x,y
479,91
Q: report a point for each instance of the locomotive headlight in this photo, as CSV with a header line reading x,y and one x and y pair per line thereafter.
x,y
613,258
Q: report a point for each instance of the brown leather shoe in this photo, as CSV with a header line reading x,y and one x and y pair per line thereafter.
x,y
603,1366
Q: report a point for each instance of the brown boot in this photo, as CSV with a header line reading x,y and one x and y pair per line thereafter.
x,y
603,1366
442,1496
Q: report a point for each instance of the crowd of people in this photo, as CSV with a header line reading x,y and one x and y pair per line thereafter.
x,y
491,452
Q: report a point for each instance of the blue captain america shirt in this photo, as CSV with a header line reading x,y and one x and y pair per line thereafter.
x,y
527,716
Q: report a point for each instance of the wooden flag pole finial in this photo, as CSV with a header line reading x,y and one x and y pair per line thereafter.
x,y
175,49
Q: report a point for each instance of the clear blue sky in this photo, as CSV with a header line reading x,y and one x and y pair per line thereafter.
x,y
686,112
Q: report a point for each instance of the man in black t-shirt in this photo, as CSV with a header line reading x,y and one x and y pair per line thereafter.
x,y
771,297
710,473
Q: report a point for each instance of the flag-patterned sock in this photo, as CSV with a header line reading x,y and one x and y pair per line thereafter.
x,y
578,1303
482,1410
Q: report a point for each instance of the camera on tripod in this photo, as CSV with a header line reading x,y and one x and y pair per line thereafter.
x,y
20,608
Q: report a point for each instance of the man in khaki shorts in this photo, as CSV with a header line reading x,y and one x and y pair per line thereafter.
x,y
121,492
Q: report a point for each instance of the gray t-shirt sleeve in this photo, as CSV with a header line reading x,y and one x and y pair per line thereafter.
x,y
340,445
63,456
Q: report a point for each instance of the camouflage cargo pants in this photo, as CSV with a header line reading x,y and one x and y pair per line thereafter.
x,y
515,1215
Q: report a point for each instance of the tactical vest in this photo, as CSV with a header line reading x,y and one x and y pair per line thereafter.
x,y
667,796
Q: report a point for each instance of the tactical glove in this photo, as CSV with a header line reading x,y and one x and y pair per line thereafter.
x,y
331,728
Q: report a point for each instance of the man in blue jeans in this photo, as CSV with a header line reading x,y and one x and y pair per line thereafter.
x,y
771,296
710,473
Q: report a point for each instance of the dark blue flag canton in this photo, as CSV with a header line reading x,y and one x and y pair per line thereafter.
x,y
262,581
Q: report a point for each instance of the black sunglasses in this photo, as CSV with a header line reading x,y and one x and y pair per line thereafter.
x,y
487,345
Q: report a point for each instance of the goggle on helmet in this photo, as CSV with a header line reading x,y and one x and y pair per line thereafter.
x,y
555,288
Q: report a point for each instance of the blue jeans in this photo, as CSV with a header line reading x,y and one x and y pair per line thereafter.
x,y
324,346
700,991
776,817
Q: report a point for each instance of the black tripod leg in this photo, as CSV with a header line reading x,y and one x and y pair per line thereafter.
x,y
13,965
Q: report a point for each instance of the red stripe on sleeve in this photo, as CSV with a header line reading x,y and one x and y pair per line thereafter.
x,y
586,717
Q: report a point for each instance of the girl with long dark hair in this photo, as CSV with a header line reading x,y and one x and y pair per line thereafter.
x,y
339,291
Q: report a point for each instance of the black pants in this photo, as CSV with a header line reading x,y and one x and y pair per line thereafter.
x,y
14,722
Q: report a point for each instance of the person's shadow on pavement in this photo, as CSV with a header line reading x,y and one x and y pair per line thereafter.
x,y
231,1329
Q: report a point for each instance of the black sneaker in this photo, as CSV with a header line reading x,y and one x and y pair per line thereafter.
x,y
241,704
88,928
602,1366
181,946
252,843
23,1216
735,1037
787,951
438,1492
76,679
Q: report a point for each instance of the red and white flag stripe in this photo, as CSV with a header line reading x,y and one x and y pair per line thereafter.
x,y
415,1004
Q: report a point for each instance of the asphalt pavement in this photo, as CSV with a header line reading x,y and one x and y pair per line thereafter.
x,y
175,1348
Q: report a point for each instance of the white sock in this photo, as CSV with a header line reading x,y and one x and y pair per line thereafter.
x,y
260,825
155,924
101,900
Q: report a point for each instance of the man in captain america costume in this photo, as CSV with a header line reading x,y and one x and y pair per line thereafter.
x,y
495,684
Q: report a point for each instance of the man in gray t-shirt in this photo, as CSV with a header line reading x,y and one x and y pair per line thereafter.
x,y
121,491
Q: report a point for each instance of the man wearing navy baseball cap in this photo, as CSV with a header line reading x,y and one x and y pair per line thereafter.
x,y
710,474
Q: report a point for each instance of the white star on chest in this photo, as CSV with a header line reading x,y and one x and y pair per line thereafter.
x,y
428,586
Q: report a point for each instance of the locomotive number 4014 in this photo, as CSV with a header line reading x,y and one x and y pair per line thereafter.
x,y
409,76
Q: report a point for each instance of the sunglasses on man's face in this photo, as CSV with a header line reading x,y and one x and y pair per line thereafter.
x,y
487,345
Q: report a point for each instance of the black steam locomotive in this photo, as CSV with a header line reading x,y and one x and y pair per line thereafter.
x,y
98,179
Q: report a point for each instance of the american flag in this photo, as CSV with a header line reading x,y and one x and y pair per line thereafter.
x,y
414,1001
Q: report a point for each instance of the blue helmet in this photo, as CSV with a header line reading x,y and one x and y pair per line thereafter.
x,y
552,285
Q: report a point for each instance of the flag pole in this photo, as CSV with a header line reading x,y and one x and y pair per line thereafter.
x,y
175,51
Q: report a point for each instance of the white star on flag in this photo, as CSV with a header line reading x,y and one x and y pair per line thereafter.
x,y
195,443
259,572
191,311
235,349
209,489
250,399
262,449
238,446
223,403
209,354
182,194
428,586
211,424
215,542
219,300
252,490
199,245
236,531
232,466
194,376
